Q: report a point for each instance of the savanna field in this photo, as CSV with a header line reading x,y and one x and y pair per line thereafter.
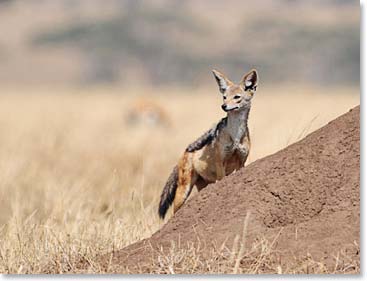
x,y
77,179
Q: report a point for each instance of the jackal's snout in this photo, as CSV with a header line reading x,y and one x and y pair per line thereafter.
x,y
227,107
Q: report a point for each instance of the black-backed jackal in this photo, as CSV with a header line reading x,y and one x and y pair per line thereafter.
x,y
147,113
218,152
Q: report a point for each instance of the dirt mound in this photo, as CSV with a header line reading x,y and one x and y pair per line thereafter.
x,y
307,195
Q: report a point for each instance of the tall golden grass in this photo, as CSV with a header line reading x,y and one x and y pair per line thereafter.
x,y
77,181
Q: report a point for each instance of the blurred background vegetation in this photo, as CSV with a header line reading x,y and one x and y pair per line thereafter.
x,y
171,42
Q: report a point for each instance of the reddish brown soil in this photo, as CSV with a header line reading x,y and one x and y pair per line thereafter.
x,y
307,192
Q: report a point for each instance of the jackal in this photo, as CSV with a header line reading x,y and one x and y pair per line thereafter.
x,y
219,151
147,113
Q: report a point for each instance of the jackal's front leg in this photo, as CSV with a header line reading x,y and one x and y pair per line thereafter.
x,y
243,151
220,170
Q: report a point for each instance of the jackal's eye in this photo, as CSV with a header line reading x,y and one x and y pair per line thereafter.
x,y
224,97
236,97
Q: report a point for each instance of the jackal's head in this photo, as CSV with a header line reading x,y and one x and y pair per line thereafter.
x,y
236,96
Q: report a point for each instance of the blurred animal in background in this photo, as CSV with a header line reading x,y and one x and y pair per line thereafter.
x,y
147,113
218,152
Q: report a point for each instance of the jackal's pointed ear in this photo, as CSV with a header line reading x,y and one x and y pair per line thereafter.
x,y
249,81
222,80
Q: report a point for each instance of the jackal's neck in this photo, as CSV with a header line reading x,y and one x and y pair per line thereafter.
x,y
237,123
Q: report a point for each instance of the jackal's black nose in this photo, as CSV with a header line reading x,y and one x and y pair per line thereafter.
x,y
224,107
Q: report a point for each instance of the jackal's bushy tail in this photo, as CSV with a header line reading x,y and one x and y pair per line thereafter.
x,y
168,193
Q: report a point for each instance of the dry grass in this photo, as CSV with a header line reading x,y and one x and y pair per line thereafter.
x,y
259,257
76,181
243,258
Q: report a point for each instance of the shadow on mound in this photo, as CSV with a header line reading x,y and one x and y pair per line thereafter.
x,y
307,195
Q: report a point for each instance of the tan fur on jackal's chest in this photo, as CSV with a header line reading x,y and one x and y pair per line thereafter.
x,y
222,149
